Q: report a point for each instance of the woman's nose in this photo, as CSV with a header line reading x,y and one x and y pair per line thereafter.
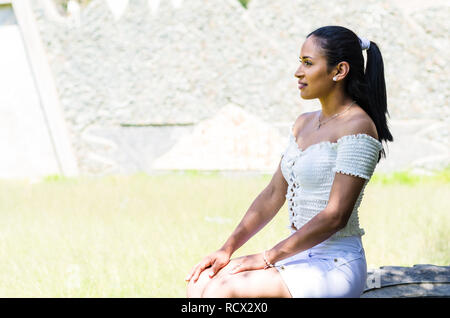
x,y
299,73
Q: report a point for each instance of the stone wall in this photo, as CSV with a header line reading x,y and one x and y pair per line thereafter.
x,y
138,83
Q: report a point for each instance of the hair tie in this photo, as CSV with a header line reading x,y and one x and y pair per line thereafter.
x,y
365,44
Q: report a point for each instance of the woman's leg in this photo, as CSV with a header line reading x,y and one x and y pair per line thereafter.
x,y
195,289
252,284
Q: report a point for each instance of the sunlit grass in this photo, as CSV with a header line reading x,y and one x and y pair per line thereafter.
x,y
138,236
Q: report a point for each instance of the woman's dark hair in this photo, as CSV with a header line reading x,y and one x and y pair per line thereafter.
x,y
367,88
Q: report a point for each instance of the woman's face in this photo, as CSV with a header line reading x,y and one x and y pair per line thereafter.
x,y
313,78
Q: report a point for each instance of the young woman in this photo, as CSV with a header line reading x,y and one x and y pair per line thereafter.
x,y
331,156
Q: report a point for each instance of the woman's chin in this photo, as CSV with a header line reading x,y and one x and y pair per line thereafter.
x,y
305,96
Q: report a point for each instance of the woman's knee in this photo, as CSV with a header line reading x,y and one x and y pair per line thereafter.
x,y
195,289
220,287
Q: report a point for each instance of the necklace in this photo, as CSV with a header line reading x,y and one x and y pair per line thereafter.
x,y
335,115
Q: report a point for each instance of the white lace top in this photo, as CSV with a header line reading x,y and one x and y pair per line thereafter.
x,y
310,174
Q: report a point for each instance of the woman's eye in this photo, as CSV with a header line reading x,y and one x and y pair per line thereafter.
x,y
306,62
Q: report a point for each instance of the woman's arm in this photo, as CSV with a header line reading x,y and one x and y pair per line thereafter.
x,y
334,217
266,205
262,210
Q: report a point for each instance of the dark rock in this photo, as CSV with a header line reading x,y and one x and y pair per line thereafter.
x,y
421,280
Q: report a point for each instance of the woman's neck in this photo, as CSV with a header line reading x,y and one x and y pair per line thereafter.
x,y
334,103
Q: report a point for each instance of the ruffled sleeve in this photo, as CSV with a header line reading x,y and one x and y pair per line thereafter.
x,y
357,155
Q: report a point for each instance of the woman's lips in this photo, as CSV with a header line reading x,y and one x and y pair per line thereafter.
x,y
300,86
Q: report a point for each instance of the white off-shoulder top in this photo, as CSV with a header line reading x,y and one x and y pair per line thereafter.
x,y
310,173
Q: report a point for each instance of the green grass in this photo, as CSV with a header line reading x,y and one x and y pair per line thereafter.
x,y
138,236
409,178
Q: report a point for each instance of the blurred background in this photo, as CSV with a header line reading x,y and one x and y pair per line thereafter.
x,y
136,133
99,87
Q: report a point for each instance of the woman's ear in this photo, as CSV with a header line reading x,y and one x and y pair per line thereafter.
x,y
341,71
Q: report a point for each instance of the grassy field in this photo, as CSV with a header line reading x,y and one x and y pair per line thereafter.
x,y
138,236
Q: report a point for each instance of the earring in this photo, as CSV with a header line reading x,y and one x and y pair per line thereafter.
x,y
335,78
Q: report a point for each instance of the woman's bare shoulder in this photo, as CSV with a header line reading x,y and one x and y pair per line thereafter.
x,y
302,119
361,123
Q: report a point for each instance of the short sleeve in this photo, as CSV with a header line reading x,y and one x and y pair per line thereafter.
x,y
357,155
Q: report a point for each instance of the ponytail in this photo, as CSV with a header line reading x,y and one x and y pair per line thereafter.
x,y
376,92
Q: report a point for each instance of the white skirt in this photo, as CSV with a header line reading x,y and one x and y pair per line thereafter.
x,y
334,268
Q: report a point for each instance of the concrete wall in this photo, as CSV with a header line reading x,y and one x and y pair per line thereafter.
x,y
148,85
26,144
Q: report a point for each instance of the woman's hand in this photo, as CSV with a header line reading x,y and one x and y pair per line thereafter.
x,y
216,261
248,263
